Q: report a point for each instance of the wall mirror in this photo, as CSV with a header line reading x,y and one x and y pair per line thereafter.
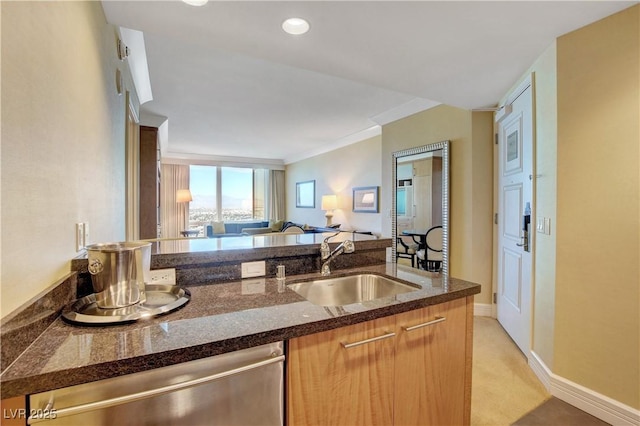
x,y
306,194
420,207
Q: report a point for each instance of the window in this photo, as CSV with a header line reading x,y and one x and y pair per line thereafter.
x,y
204,207
229,194
237,194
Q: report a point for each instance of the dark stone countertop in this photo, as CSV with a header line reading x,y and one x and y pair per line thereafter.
x,y
208,260
177,252
220,318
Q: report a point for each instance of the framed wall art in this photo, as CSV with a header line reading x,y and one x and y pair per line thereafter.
x,y
365,199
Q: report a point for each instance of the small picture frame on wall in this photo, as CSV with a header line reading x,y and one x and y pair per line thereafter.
x,y
365,199
306,194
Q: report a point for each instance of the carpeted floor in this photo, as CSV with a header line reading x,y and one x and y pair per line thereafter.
x,y
504,388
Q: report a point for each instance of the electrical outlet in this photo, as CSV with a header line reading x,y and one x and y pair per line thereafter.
x,y
79,236
252,269
163,276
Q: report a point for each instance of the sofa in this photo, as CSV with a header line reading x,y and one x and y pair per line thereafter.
x,y
291,227
233,229
237,229
277,227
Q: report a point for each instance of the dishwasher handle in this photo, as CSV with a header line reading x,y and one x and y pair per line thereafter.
x,y
65,412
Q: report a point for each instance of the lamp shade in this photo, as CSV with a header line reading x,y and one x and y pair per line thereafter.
x,y
329,202
183,196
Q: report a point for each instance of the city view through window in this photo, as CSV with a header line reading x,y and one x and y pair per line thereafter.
x,y
225,194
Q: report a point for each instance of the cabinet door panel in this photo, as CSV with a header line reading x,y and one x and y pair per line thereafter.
x,y
329,384
14,411
431,364
149,183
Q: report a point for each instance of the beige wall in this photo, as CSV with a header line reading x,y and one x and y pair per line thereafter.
x,y
471,191
471,203
62,140
337,172
597,327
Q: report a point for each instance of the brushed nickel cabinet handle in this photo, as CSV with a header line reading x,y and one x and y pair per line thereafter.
x,y
425,324
364,342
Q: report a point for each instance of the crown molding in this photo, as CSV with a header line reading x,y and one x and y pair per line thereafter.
x,y
221,160
340,143
414,106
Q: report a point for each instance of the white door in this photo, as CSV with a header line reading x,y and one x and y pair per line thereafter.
x,y
515,174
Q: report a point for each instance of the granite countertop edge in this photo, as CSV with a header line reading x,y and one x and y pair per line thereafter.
x,y
23,379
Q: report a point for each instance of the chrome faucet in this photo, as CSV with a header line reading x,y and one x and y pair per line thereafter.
x,y
327,255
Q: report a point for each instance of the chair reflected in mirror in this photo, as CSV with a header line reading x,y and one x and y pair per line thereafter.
x,y
406,250
430,256
293,230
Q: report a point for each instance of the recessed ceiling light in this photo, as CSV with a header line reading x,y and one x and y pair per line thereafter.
x,y
196,2
295,26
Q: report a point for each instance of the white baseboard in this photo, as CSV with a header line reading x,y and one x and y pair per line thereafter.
x,y
541,370
598,405
482,310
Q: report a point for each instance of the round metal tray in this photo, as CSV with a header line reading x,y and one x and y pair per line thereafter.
x,y
161,299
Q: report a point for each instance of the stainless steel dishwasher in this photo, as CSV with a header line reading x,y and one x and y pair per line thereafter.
x,y
239,388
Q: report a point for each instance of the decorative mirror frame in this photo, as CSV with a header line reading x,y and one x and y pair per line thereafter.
x,y
444,146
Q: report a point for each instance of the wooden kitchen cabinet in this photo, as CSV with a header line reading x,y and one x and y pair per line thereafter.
x,y
330,384
433,365
419,376
14,411
149,183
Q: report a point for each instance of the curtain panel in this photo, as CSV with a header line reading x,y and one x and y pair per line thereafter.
x,y
277,206
174,216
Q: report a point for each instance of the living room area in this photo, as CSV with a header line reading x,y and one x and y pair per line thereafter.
x,y
218,200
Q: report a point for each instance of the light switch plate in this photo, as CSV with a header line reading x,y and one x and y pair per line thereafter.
x,y
86,237
79,236
253,269
543,225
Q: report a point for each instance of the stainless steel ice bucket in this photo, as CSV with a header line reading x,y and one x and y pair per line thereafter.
x,y
118,272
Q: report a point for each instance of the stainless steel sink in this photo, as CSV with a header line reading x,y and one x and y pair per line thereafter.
x,y
349,289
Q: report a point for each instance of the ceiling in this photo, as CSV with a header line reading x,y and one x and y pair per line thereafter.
x,y
235,86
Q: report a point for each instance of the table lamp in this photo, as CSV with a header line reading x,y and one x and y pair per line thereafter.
x,y
329,203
